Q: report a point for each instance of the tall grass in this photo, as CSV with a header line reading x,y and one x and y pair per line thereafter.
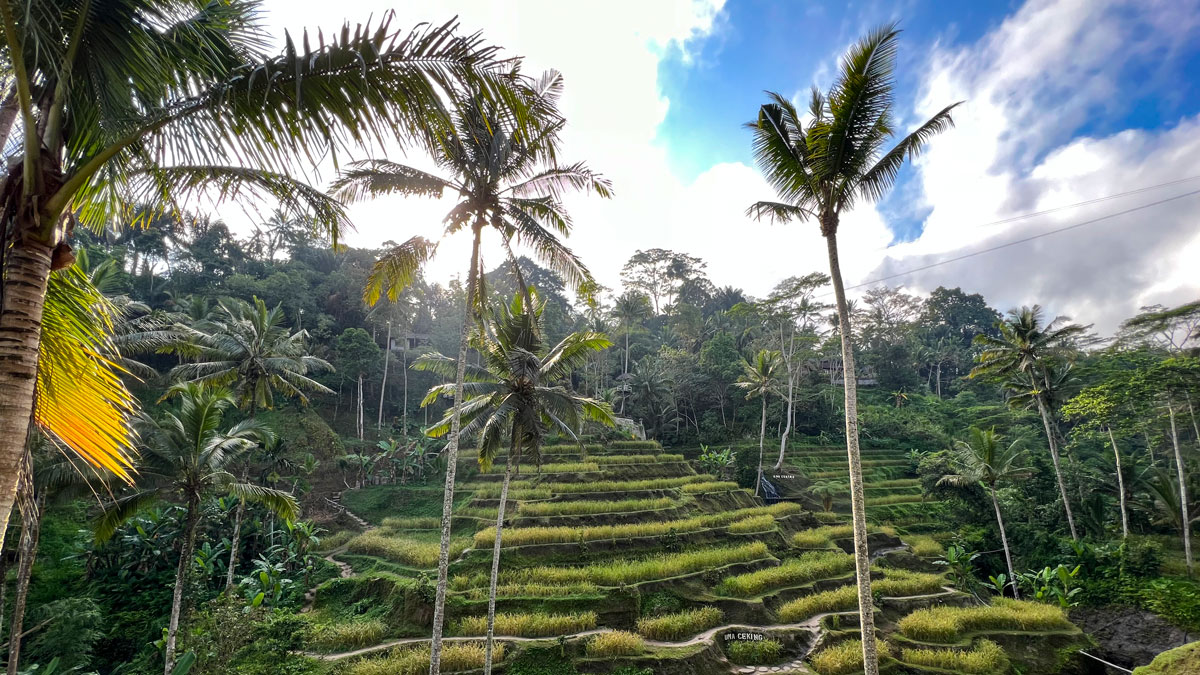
x,y
845,657
754,652
618,572
561,535
680,624
529,625
986,658
894,499
947,624
635,459
753,524
335,540
456,657
792,572
826,516
476,589
616,643
414,523
842,599
349,635
925,545
710,486
822,537
578,508
493,492
899,583
556,467
626,485
423,554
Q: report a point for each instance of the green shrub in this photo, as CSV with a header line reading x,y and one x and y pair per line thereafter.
x,y
845,657
986,658
680,624
947,624
579,508
753,524
1178,600
529,625
822,537
826,516
754,652
456,657
616,643
792,572
842,599
345,636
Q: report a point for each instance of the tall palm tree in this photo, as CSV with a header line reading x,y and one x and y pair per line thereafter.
x,y
517,394
186,455
1026,353
251,350
630,309
821,167
122,102
507,181
984,460
758,379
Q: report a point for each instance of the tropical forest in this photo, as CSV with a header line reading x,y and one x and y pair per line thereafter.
x,y
378,344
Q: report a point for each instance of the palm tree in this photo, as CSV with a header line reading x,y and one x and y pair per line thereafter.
x,y
630,308
983,460
187,454
507,181
820,167
250,349
187,101
1026,353
758,379
516,394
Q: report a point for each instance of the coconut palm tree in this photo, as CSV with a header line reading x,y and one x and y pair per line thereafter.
x,y
516,396
186,455
121,102
1026,353
821,167
629,309
507,181
758,380
983,460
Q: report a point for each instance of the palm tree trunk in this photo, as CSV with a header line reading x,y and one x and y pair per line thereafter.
x,y
1053,443
491,615
1120,484
360,407
387,352
31,526
234,543
181,573
1004,540
439,603
939,379
762,434
404,409
787,429
25,273
862,559
1183,496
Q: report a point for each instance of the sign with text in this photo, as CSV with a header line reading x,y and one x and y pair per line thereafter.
x,y
745,637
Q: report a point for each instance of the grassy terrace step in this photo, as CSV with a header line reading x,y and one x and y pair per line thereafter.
x,y
950,624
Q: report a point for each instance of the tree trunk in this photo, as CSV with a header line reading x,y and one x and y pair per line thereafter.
x,y
439,604
404,410
762,434
939,379
387,352
787,429
234,542
1183,496
360,407
181,573
491,615
31,526
1053,443
862,558
1012,576
1120,484
24,284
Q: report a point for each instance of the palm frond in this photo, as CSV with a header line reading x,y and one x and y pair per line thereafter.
x,y
397,269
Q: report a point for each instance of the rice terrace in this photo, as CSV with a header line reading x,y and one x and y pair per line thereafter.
x,y
683,337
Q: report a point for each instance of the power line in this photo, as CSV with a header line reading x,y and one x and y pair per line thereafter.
x,y
1027,239
1088,202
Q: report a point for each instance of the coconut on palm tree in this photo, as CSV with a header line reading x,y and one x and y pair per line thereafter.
x,y
983,460
186,455
507,181
1027,354
121,102
821,165
758,380
515,398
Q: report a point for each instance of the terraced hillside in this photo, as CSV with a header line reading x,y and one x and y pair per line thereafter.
x,y
626,559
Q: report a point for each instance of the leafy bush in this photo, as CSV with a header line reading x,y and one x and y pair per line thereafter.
x,y
534,509
456,657
753,524
349,635
616,643
840,599
680,624
414,552
845,657
618,572
754,652
947,624
808,567
1177,600
987,657
529,625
